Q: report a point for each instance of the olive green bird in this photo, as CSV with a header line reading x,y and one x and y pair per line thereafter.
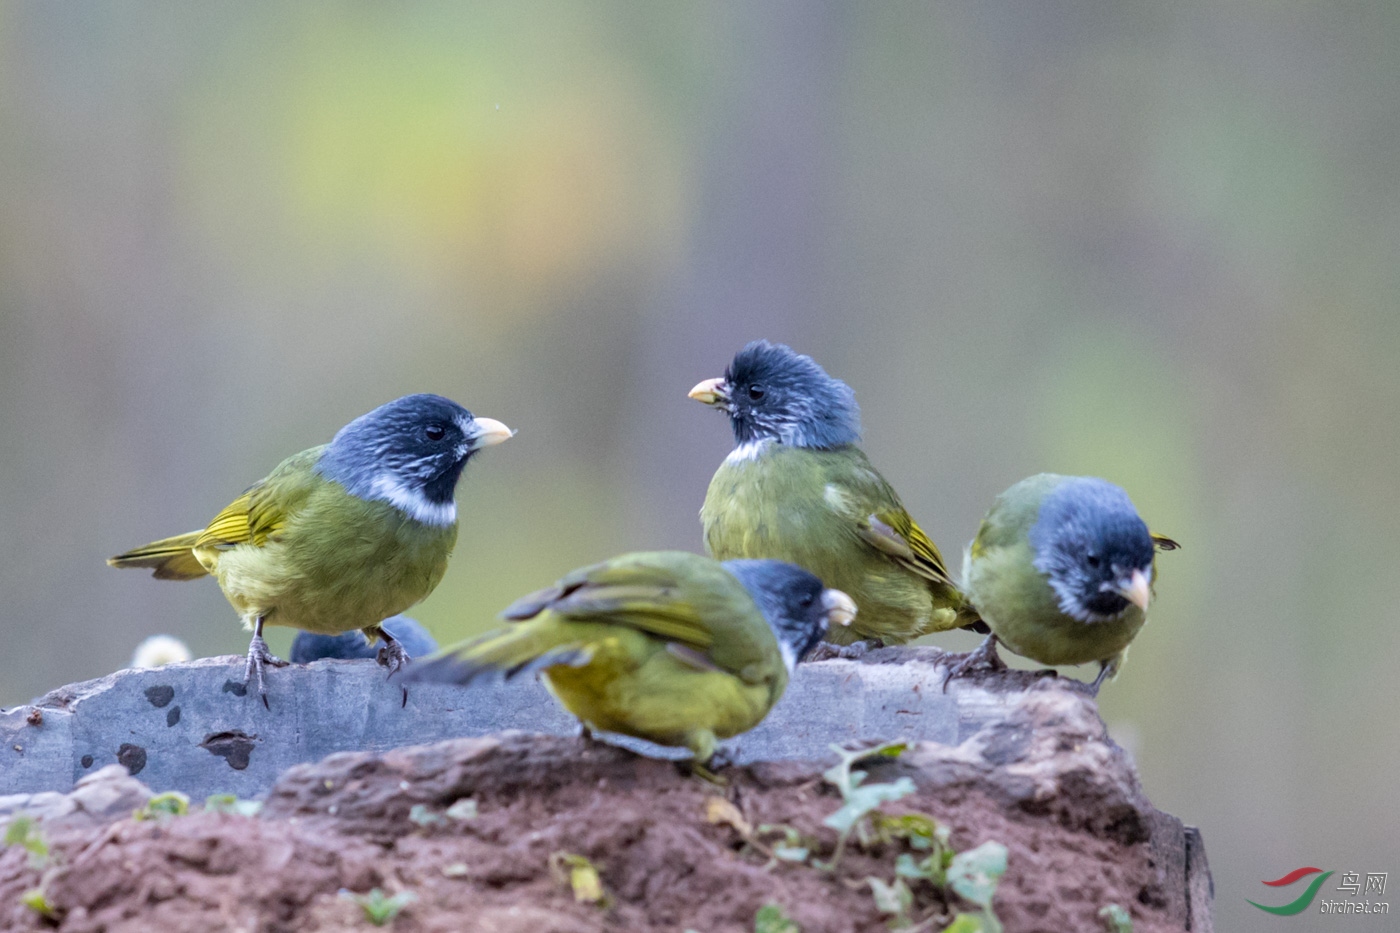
x,y
1061,571
339,537
665,646
797,488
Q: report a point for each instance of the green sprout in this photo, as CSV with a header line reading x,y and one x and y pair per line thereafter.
x,y
36,901
1116,919
860,799
24,832
771,919
581,876
162,806
230,803
422,816
379,907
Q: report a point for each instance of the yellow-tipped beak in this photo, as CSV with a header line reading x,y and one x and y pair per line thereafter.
x,y
1137,590
489,432
840,608
710,392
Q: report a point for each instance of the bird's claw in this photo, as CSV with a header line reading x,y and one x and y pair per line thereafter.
x,y
393,656
694,769
259,657
984,654
856,650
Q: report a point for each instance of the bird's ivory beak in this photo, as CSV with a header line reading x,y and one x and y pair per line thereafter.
x,y
1136,589
710,392
840,608
489,432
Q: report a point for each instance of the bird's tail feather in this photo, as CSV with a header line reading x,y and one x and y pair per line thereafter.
x,y
170,558
520,649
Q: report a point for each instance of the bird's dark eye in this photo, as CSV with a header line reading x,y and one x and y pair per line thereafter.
x,y
1092,560
806,601
756,392
435,432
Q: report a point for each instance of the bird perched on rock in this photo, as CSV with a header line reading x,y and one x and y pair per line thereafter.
x,y
1061,571
666,646
797,488
415,639
341,536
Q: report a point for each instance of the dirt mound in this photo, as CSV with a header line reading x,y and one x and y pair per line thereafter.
x,y
669,857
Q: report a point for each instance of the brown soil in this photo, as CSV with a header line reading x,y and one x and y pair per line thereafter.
x,y
344,824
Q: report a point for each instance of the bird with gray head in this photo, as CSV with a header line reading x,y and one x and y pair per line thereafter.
x,y
797,488
665,646
338,537
1061,571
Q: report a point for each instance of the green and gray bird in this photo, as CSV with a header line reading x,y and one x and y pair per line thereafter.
x,y
341,536
665,646
797,488
1061,571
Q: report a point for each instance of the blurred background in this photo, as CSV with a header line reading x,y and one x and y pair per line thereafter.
x,y
1153,242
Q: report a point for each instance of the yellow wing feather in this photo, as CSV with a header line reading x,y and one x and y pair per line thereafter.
x,y
899,536
170,558
1163,543
249,519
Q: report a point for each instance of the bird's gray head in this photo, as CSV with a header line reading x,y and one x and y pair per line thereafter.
x,y
410,454
1093,548
771,392
796,606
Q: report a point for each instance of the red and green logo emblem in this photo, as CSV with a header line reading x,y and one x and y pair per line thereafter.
x,y
1304,900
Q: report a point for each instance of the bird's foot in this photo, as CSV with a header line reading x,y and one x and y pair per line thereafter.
x,y
852,652
392,656
693,768
586,736
1105,672
984,655
259,657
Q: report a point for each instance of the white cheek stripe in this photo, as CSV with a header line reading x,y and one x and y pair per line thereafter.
x,y
789,659
387,489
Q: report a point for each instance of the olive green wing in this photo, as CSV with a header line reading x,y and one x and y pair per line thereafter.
x,y
692,603
858,491
265,507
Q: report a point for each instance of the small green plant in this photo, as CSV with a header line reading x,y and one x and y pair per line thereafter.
x,y
969,923
36,901
380,908
974,876
162,806
777,842
932,854
230,803
894,899
790,845
771,919
860,799
24,832
1116,919
422,816
581,876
